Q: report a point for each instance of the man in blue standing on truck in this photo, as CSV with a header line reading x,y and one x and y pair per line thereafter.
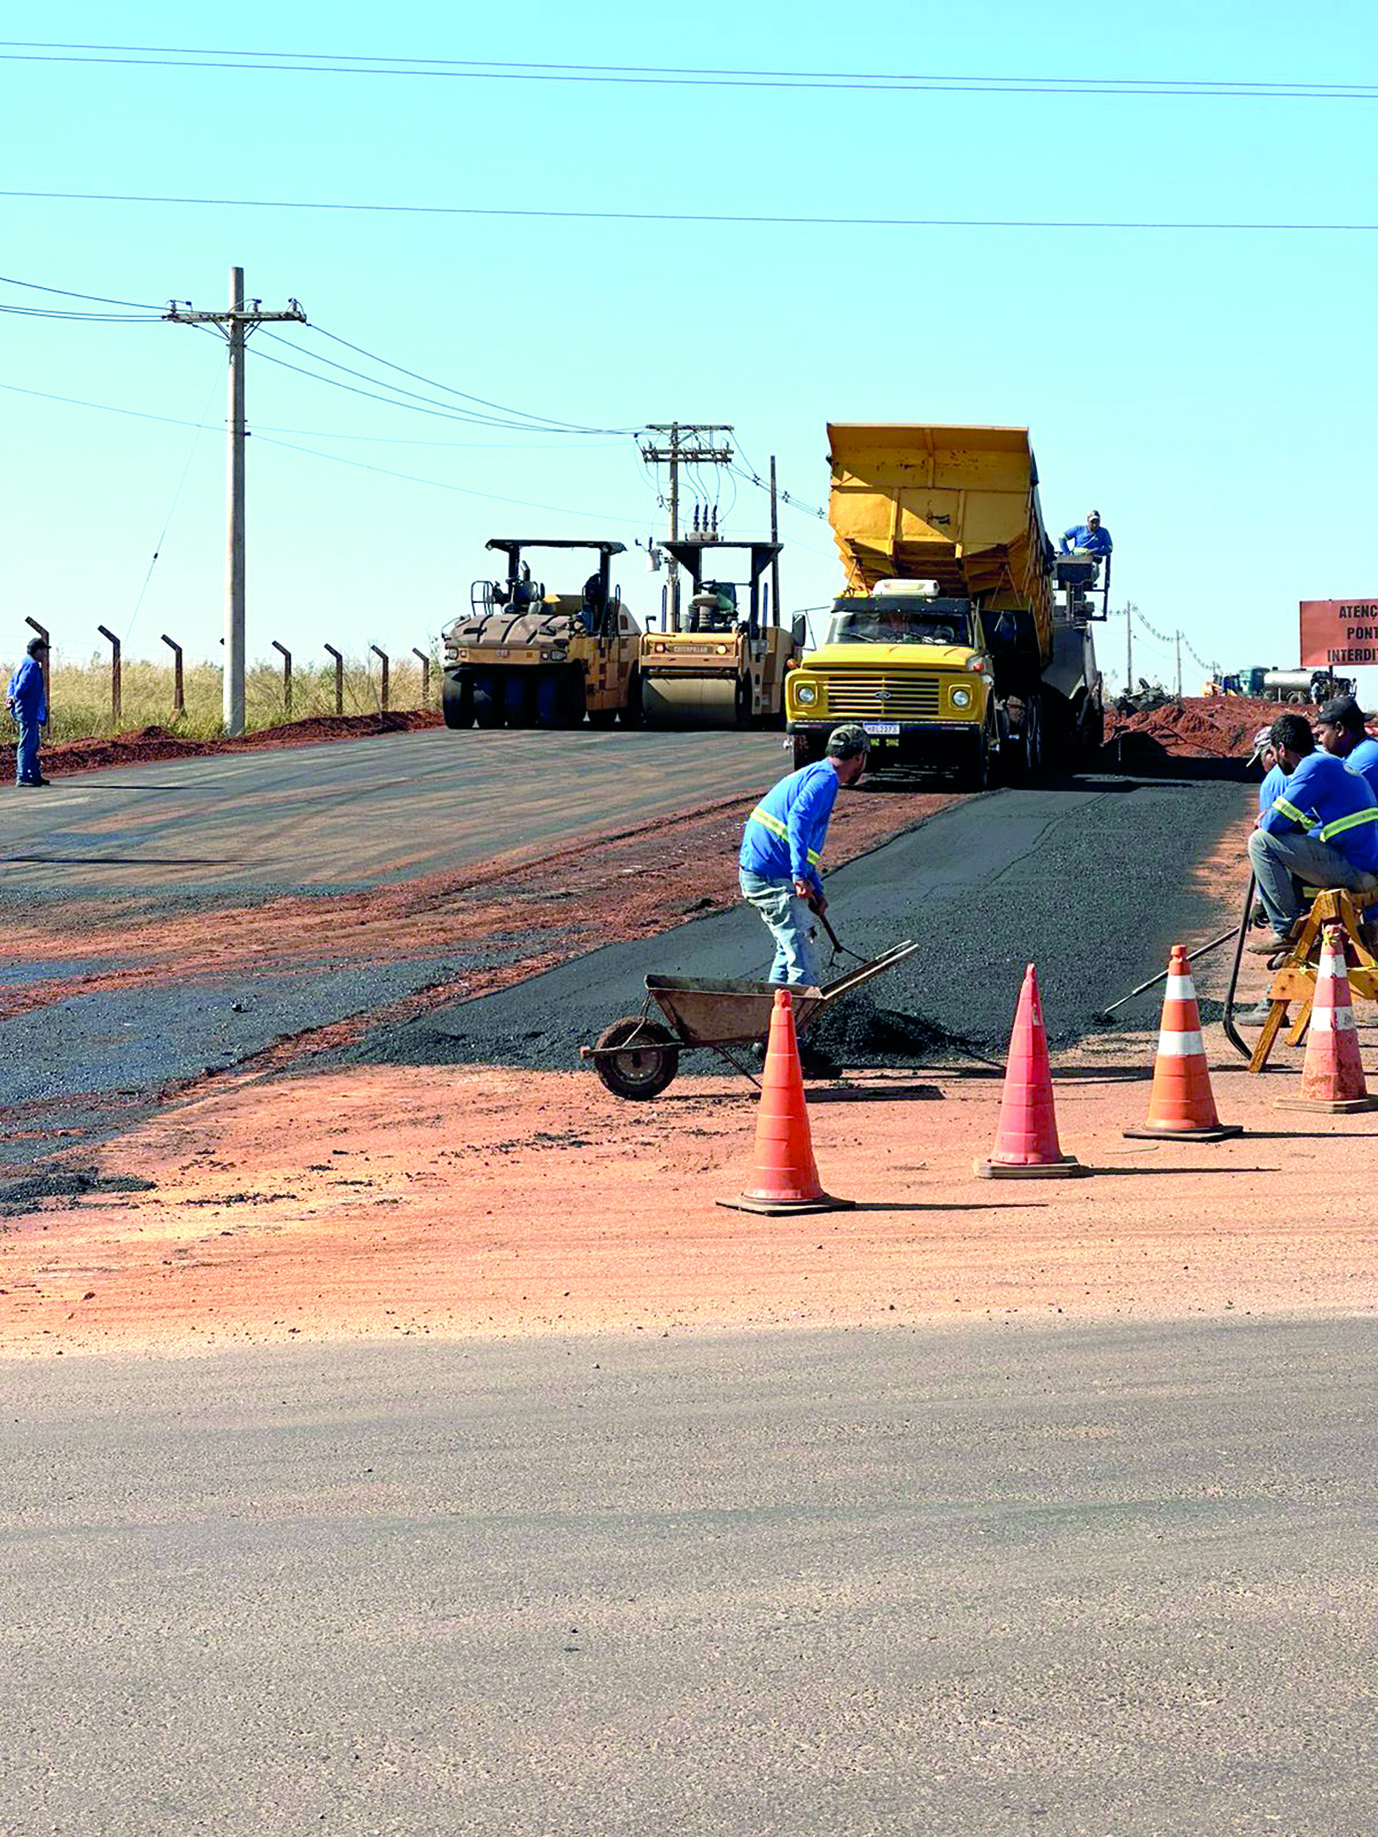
x,y
782,851
1088,538
1322,831
28,703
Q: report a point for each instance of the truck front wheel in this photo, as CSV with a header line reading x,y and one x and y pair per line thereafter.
x,y
975,774
807,749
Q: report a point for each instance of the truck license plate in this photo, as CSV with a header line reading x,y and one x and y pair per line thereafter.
x,y
881,730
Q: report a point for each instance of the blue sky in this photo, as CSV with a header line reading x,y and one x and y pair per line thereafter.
x,y
1212,393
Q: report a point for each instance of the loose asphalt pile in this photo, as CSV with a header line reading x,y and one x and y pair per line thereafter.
x,y
1090,879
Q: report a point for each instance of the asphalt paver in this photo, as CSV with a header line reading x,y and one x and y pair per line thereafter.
x,y
864,1584
1090,879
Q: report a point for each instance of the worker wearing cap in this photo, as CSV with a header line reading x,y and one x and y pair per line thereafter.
x,y
782,852
1322,829
1341,731
1274,778
1088,538
27,701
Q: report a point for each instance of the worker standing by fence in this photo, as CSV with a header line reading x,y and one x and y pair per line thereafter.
x,y
782,851
28,703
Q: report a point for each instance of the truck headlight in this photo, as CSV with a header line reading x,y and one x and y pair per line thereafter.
x,y
961,698
806,695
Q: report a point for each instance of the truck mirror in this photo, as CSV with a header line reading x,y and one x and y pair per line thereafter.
x,y
799,627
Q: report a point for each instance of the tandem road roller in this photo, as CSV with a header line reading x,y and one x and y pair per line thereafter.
x,y
524,657
725,666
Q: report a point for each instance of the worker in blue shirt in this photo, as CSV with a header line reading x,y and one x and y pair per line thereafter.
x,y
1322,829
28,703
1341,731
782,851
1090,537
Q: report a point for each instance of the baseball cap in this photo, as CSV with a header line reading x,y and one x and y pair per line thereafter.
x,y
847,741
1264,737
1341,711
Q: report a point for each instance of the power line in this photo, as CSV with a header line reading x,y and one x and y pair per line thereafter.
x,y
99,299
748,219
646,75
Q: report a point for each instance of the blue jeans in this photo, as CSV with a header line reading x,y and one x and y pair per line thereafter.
x,y
787,919
1279,861
26,753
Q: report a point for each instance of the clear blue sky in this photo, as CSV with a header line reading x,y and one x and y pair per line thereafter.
x,y
1212,394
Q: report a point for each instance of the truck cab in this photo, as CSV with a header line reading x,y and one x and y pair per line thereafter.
x,y
915,667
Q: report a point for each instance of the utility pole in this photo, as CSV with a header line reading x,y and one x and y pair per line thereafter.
x,y
775,537
1179,666
236,324
674,452
1129,647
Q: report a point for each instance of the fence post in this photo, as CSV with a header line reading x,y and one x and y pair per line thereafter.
x,y
425,657
179,706
42,631
286,656
383,694
339,677
106,632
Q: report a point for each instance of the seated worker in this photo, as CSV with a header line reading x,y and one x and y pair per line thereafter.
x,y
1341,731
591,611
1088,538
1322,828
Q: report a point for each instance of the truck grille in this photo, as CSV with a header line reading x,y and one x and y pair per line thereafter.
x,y
884,698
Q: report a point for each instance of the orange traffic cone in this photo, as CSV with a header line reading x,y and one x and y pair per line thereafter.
x,y
1332,1076
786,1175
1026,1144
1181,1106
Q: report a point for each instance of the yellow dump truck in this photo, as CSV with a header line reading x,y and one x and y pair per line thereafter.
x,y
525,657
960,642
725,666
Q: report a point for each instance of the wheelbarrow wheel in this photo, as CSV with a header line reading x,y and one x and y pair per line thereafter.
x,y
648,1063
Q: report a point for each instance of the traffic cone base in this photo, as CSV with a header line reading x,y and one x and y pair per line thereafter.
x,y
1338,1106
786,1175
1067,1166
1221,1133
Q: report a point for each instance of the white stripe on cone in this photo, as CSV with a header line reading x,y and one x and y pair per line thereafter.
x,y
1332,1020
1181,1045
1181,988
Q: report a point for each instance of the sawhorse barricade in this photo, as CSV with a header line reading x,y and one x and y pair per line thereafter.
x,y
1295,978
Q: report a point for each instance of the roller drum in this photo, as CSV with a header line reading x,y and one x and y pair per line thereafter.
x,y
691,701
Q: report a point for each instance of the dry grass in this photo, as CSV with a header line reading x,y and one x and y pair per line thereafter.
x,y
80,695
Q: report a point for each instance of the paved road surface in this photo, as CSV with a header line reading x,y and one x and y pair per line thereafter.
x,y
354,813
1087,1583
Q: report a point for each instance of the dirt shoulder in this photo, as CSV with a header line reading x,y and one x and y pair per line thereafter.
x,y
142,745
416,1201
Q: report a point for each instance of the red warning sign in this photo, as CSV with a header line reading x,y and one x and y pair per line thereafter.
x,y
1337,632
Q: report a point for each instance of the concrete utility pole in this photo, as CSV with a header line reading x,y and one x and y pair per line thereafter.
x,y
775,537
1129,647
1179,666
236,324
700,450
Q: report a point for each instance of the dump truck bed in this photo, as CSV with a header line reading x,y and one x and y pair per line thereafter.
x,y
958,505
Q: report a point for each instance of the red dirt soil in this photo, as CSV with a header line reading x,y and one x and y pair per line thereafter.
x,y
143,744
480,1202
1201,727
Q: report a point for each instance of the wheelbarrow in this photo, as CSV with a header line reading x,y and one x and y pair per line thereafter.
x,y
638,1055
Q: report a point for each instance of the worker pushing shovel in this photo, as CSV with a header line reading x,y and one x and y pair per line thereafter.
x,y
782,854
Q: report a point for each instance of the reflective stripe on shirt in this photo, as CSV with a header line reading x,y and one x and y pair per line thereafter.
x,y
1352,821
777,828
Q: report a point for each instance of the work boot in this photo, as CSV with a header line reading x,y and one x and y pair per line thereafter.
x,y
1270,946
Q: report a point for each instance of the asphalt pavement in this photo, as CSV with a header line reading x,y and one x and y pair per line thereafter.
x,y
980,1583
201,833
1090,878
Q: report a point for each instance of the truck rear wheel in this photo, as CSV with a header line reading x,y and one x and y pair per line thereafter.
x,y
807,749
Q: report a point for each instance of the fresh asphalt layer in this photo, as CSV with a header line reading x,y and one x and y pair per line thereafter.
x,y
1091,879
976,1584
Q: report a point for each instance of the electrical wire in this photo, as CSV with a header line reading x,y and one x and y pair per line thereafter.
x,y
9,280
641,75
756,220
441,485
200,426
